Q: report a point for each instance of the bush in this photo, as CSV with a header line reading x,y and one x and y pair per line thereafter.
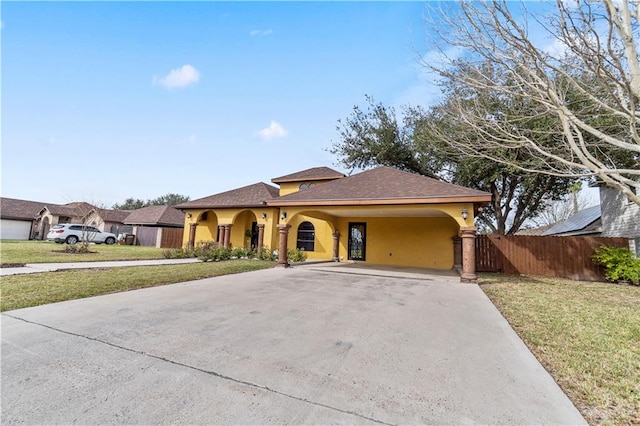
x,y
81,248
265,253
241,252
620,263
176,253
296,255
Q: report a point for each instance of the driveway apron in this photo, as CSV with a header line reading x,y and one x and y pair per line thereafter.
x,y
280,346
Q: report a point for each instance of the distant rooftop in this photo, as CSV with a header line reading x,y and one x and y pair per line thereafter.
x,y
580,221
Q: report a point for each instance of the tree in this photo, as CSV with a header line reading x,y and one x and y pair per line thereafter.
x,y
377,137
588,90
561,210
130,204
169,199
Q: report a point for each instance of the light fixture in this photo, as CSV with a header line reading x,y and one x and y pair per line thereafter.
x,y
465,214
264,215
189,216
283,216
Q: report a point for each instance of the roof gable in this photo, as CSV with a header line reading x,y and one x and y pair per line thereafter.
x,y
383,183
247,196
315,173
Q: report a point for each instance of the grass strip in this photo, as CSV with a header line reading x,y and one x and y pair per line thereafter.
x,y
22,291
587,335
21,252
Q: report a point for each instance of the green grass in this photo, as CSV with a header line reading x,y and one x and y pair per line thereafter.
x,y
20,252
587,335
22,291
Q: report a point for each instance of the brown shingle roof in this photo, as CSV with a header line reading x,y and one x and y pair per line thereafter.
x,y
75,209
384,183
156,215
247,196
113,215
315,173
13,208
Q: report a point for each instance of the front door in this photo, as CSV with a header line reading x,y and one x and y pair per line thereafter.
x,y
357,240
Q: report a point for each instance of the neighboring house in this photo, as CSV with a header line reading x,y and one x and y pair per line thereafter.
x,y
156,226
380,216
52,214
18,218
620,216
156,216
585,222
106,220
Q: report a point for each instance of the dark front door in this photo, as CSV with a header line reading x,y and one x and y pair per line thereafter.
x,y
357,240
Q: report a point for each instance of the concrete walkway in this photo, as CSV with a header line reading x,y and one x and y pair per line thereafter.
x,y
313,344
34,268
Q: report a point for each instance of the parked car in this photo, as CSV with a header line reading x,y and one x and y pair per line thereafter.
x,y
71,233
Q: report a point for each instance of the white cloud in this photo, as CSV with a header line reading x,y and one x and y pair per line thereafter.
x,y
274,131
179,78
263,33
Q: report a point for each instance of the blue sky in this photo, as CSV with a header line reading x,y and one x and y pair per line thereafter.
x,y
102,101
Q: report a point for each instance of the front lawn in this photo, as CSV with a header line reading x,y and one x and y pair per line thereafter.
x,y
587,335
22,291
20,252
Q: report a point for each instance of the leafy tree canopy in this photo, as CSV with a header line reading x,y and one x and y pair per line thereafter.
x,y
164,200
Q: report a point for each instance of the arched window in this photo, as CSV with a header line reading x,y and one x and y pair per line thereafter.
x,y
303,186
306,236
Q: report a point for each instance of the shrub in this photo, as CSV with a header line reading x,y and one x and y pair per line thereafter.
x,y
619,263
241,252
177,253
215,254
296,255
81,248
265,253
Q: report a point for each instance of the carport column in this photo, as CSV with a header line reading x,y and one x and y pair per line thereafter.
x,y
220,234
227,236
468,255
192,235
336,245
260,235
283,230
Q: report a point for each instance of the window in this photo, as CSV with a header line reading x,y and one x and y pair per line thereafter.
x,y
303,186
306,236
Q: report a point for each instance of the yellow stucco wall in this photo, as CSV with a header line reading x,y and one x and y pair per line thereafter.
x,y
289,187
323,244
410,241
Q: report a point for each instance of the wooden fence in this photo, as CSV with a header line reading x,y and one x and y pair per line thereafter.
x,y
171,238
567,257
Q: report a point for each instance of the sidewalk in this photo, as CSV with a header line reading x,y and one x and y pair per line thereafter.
x,y
34,268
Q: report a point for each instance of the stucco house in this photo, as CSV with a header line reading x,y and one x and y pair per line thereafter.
x,y
380,216
18,218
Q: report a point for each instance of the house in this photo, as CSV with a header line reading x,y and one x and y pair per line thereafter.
x,y
380,216
156,226
585,222
17,218
620,217
106,220
52,214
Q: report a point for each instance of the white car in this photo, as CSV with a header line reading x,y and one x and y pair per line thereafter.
x,y
71,233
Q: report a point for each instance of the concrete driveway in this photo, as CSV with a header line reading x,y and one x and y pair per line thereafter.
x,y
311,344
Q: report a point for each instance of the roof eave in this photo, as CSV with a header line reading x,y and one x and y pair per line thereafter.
x,y
381,201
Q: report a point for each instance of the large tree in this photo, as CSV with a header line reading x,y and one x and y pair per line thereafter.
x,y
586,84
377,136
169,199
